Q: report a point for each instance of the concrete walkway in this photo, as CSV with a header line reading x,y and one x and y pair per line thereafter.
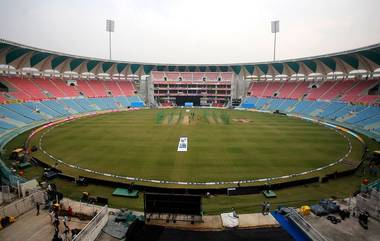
x,y
214,222
29,227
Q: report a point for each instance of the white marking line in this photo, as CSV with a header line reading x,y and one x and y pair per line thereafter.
x,y
182,144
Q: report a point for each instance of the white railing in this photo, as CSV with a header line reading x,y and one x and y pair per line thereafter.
x,y
370,203
92,230
306,227
23,205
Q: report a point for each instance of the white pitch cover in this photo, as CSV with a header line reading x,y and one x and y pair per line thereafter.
x,y
182,144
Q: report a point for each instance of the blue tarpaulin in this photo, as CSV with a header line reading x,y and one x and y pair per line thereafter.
x,y
137,104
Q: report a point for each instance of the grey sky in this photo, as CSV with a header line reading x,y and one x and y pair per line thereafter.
x,y
192,31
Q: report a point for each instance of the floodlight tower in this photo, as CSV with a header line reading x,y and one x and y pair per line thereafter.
x,y
275,29
110,28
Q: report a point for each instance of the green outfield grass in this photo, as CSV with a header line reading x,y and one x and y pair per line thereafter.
x,y
224,145
144,122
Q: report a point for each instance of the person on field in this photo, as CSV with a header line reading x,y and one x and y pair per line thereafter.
x,y
234,214
56,223
267,208
69,212
38,208
56,237
264,205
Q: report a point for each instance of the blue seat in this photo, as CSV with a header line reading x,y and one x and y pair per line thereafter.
x,y
13,115
24,111
5,125
39,106
364,114
85,104
56,106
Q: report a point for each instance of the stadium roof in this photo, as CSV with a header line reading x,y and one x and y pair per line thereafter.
x,y
21,56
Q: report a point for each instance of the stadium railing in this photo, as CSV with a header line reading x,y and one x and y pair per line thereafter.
x,y
23,205
306,227
92,230
369,203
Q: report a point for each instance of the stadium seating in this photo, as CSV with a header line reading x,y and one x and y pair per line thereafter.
x,y
98,88
359,117
211,76
15,86
24,111
69,91
197,76
369,99
172,76
5,125
42,109
258,88
37,88
123,101
323,87
14,115
348,90
71,104
126,87
338,89
351,102
287,89
271,89
113,87
355,93
54,105
86,104
86,89
51,90
299,92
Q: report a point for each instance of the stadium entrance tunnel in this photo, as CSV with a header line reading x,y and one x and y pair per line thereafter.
x,y
181,100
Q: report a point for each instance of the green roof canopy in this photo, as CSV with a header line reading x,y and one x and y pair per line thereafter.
x,y
19,56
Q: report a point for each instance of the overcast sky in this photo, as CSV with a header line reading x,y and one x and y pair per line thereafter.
x,y
192,31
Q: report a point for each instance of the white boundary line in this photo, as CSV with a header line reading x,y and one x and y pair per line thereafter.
x,y
267,179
